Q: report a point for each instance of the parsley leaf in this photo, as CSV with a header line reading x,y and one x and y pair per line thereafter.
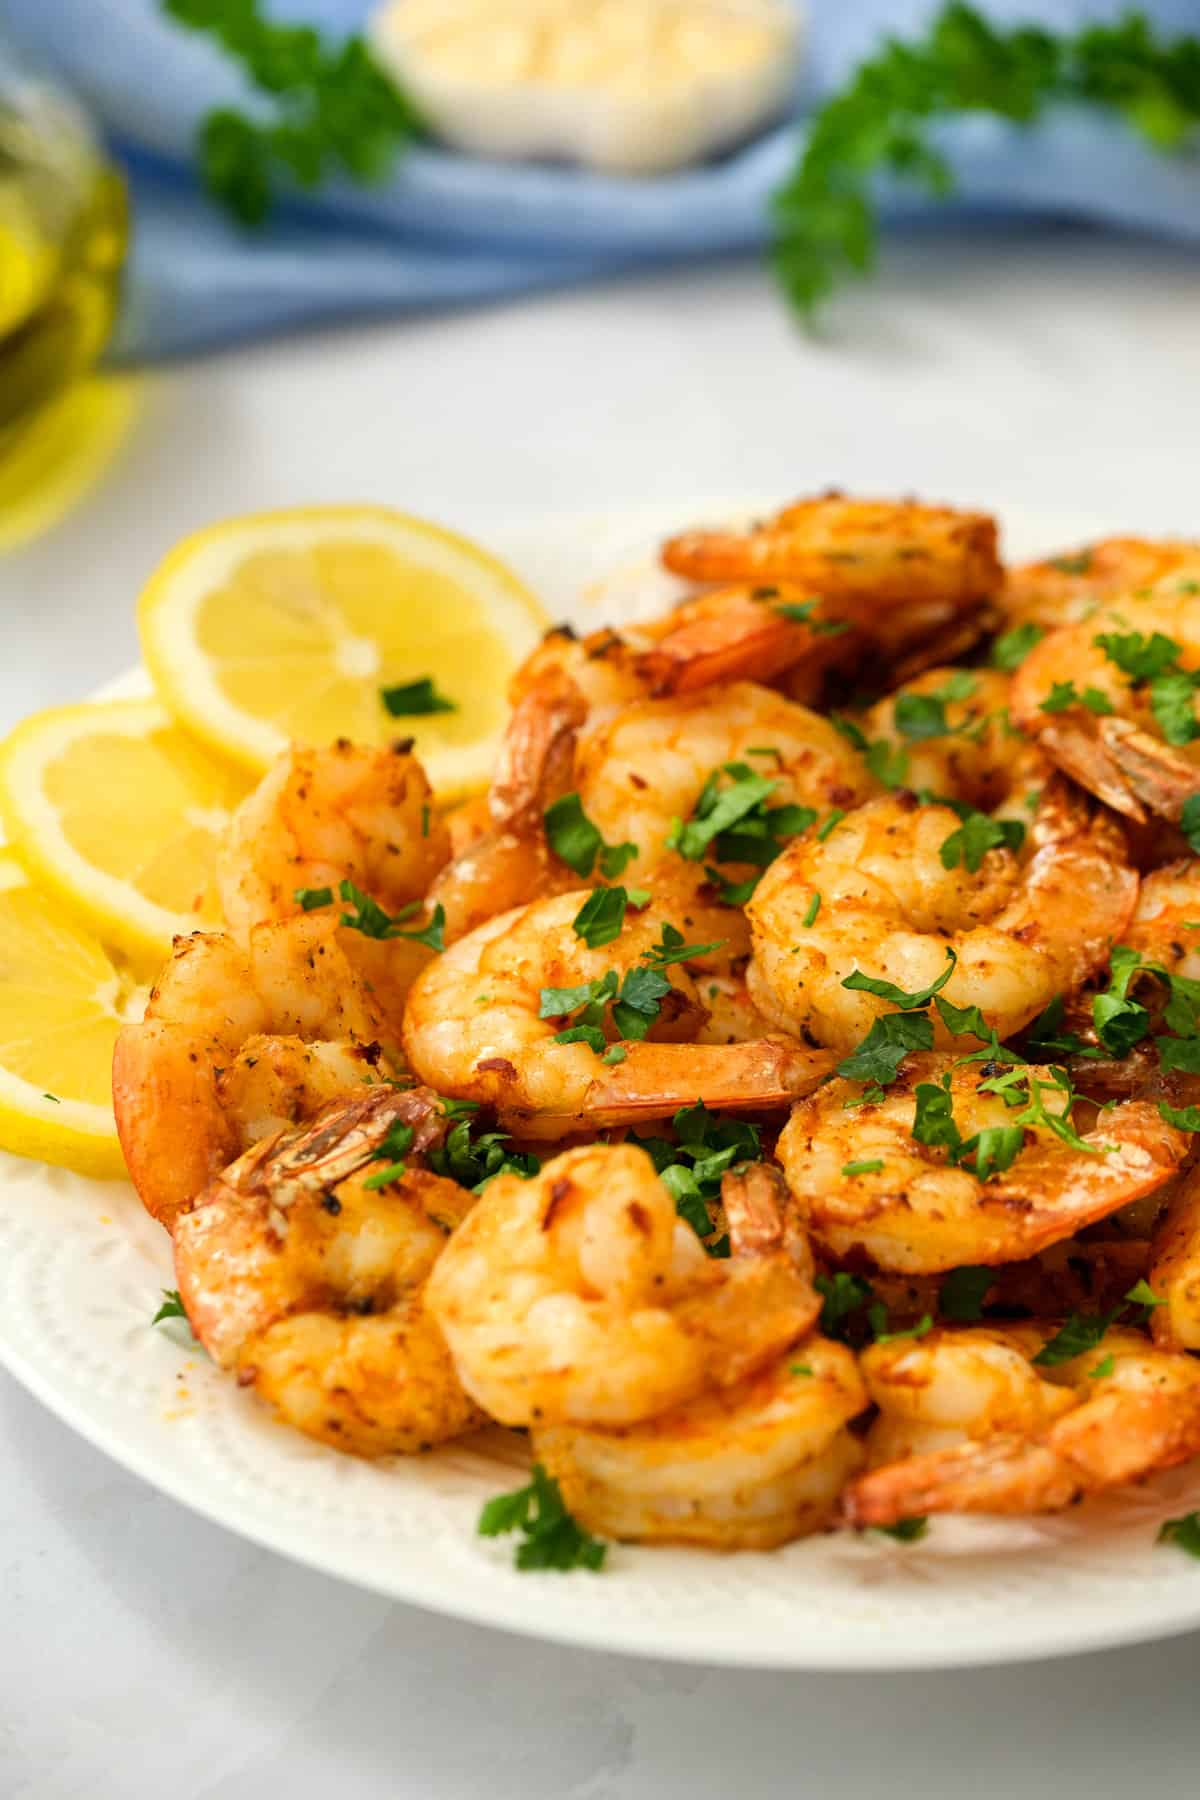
x,y
1081,1332
879,1056
172,1307
963,1292
905,1531
1173,703
600,918
978,834
1012,647
371,919
551,1538
327,109
1183,1532
577,842
671,948
1064,694
1189,821
1140,657
845,1296
716,810
885,121
473,1159
309,899
410,699
887,990
706,1146
1184,1118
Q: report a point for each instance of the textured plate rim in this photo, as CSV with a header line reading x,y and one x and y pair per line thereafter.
x,y
1017,1638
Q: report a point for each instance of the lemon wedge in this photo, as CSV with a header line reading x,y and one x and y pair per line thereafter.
x,y
119,813
62,1002
291,625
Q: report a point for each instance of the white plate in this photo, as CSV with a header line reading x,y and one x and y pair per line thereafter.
x,y
81,1267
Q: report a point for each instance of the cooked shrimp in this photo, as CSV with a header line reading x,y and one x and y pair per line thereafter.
x,y
739,633
951,733
235,1042
580,1296
319,817
1069,587
953,1385
1137,1411
475,1028
1175,1268
1100,724
905,569
306,1277
875,897
741,1468
1165,927
646,767
866,1187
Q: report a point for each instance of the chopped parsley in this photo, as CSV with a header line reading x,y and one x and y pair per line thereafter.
x,y
1103,1369
390,1152
474,1159
671,948
600,918
172,1307
846,1298
800,612
575,840
812,909
887,990
1189,821
411,699
550,1537
978,834
905,1531
963,1292
1064,694
1183,1532
923,1326
1153,662
371,919
309,899
707,1145
1012,647
869,1166
879,1056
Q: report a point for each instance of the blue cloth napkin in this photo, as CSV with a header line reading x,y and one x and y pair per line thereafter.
x,y
447,228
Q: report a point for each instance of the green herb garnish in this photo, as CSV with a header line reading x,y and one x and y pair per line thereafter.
x,y
550,1537
328,109
884,122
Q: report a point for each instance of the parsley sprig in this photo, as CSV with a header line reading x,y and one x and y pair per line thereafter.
x,y
550,1537
578,842
371,919
635,998
329,109
884,122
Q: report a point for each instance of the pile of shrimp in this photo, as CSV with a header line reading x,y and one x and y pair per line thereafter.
x,y
776,1095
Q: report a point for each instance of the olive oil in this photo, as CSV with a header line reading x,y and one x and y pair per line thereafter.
x,y
63,238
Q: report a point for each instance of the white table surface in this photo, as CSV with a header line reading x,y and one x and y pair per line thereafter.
x,y
145,1653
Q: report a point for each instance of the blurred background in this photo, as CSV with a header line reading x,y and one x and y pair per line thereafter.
x,y
177,175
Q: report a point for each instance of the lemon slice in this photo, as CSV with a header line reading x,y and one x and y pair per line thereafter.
x,y
119,813
62,1002
287,626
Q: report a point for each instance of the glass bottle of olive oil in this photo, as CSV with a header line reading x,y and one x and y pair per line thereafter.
x,y
63,236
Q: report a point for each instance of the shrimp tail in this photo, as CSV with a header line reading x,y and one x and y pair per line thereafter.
x,y
1154,776
744,638
1004,1474
655,1080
